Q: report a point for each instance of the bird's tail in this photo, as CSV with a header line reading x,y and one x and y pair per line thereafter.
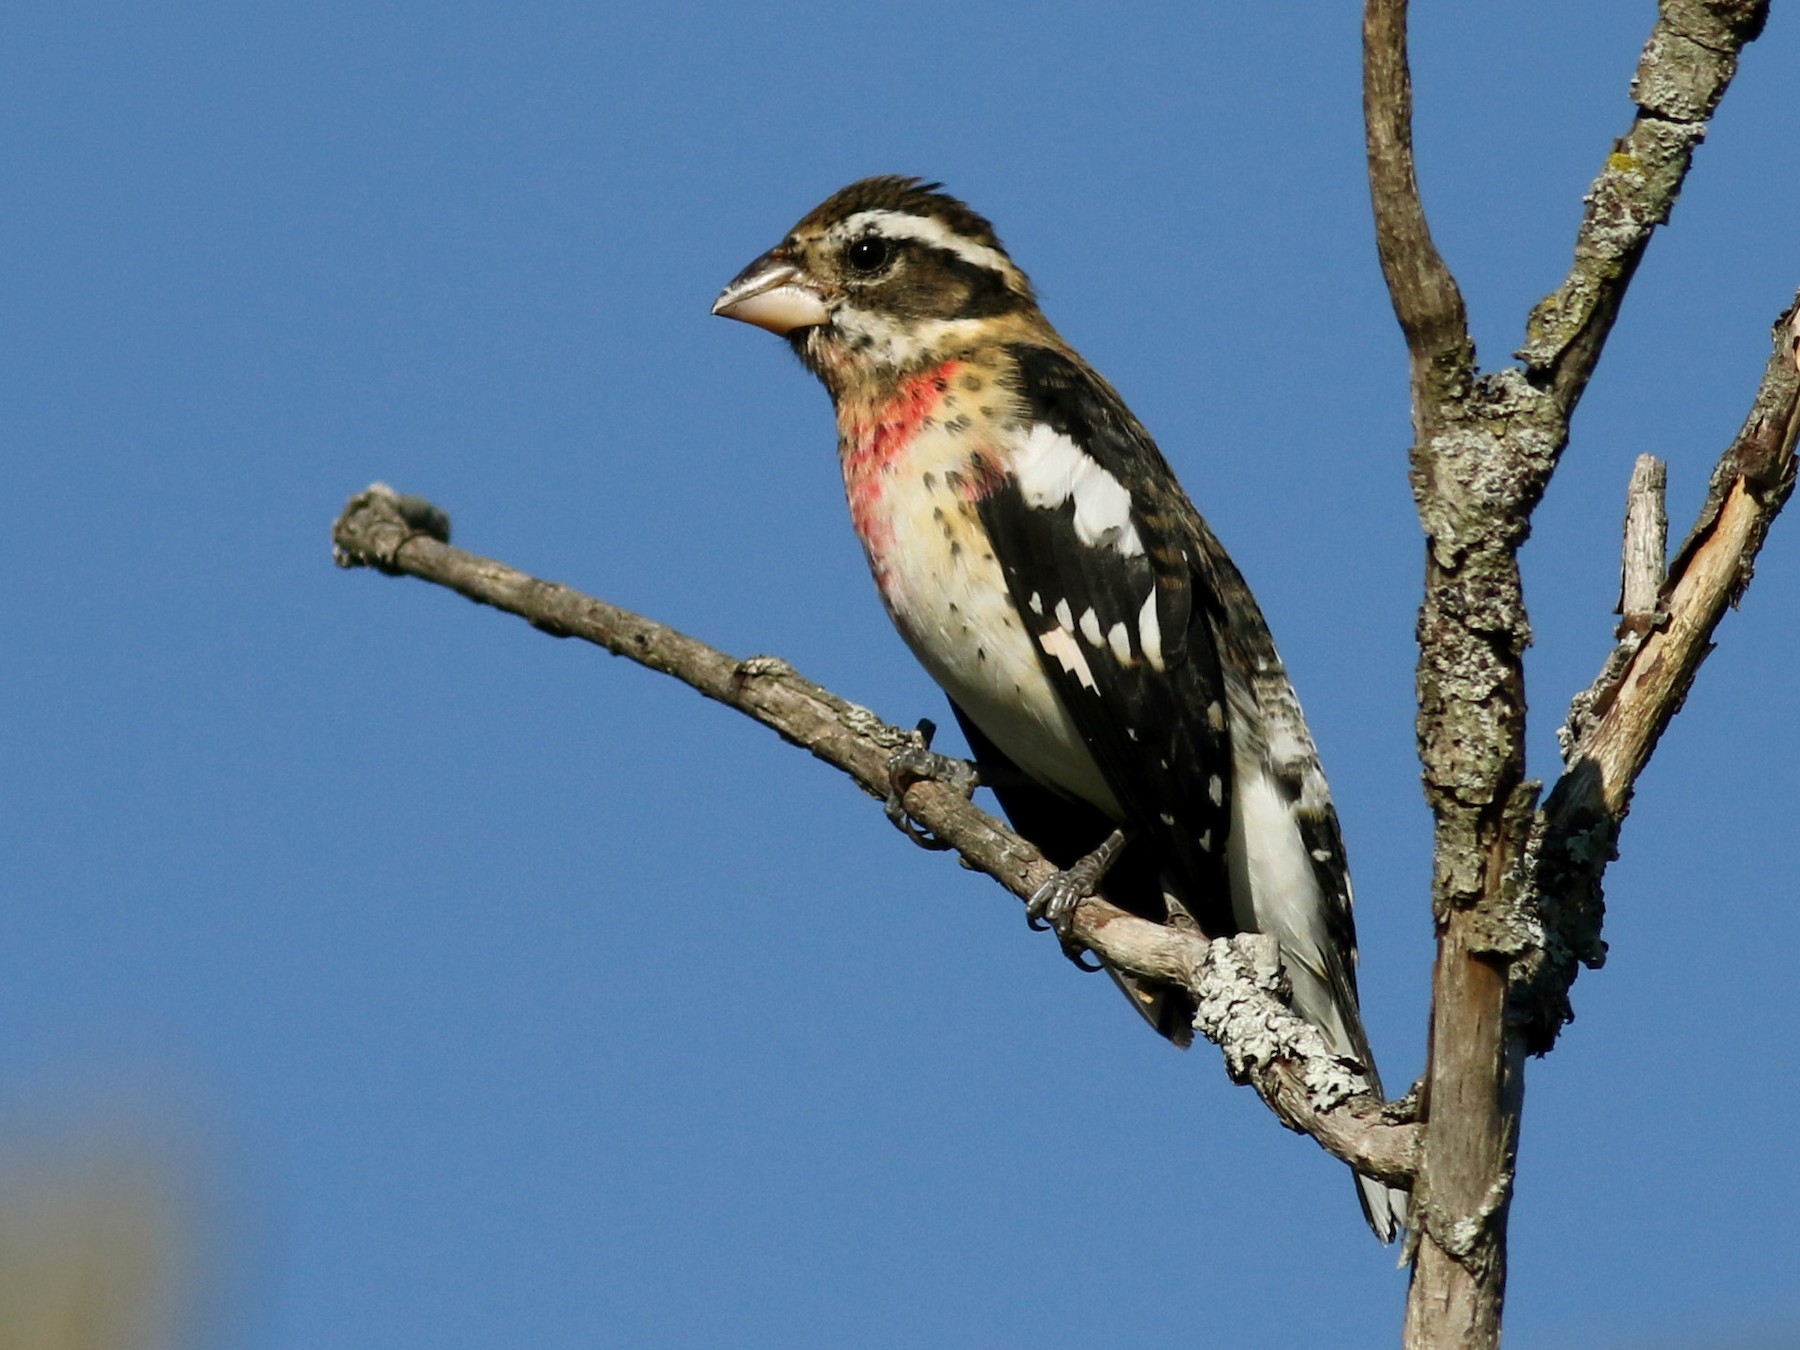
x,y
1334,1012
1384,1206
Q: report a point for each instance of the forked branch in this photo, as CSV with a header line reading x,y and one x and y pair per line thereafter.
x,y
1614,724
1486,445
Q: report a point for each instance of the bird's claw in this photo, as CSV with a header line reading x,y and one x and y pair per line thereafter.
x,y
919,763
1052,906
1054,903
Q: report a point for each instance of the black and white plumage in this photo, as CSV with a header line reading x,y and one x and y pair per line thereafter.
x,y
1104,656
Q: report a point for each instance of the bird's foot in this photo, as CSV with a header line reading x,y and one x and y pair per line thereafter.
x,y
919,763
1407,1108
1053,904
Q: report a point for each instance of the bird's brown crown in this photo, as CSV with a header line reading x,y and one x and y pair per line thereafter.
x,y
902,195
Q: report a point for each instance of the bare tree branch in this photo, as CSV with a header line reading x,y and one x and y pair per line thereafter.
x,y
1236,982
1615,723
1469,475
1645,559
1426,299
1686,66
1486,445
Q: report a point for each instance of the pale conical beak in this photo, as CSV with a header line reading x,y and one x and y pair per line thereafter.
x,y
772,293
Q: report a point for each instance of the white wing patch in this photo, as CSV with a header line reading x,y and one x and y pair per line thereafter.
x,y
1090,627
1060,643
1052,469
1120,641
1150,635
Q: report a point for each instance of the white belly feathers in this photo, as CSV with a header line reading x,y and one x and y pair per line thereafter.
x,y
948,597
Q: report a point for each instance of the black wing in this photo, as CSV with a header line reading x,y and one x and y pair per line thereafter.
x,y
1123,624
1066,829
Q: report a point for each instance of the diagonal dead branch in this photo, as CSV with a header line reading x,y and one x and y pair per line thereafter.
x,y
1630,704
1236,982
1686,66
1614,724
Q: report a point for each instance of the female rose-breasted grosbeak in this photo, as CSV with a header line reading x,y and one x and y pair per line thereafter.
x,y
1108,664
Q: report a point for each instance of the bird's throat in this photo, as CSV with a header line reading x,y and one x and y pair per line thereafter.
x,y
875,441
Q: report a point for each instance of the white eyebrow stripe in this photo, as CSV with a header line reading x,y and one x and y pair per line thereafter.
x,y
905,225
1051,469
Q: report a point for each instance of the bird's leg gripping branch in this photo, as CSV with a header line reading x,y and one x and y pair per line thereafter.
x,y
917,762
1241,1008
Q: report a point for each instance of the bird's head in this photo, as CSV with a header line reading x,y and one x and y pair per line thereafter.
x,y
884,277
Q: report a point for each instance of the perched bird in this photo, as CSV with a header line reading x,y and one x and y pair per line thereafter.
x,y
1104,657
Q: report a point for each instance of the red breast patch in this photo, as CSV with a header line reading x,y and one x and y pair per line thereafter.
x,y
876,439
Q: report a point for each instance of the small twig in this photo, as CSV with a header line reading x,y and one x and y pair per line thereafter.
x,y
1750,485
1265,1044
1646,549
1615,723
1642,571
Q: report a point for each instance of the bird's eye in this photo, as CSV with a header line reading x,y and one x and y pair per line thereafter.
x,y
868,256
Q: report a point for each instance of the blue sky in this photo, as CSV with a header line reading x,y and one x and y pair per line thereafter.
x,y
490,991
